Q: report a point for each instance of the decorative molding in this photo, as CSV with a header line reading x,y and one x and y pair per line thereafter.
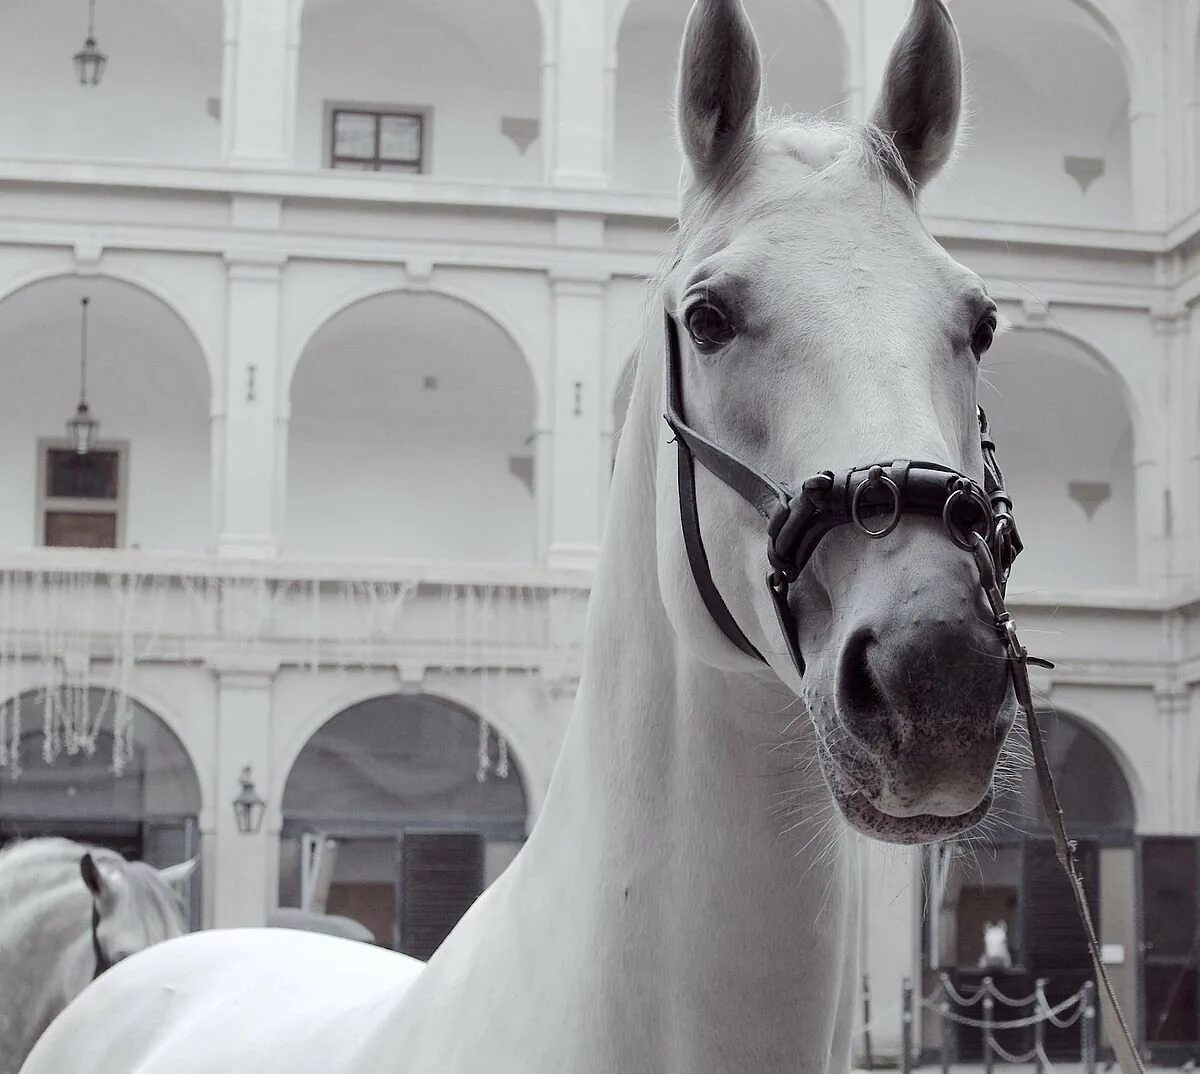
x,y
88,254
1090,495
419,271
521,131
1084,170
1167,321
412,676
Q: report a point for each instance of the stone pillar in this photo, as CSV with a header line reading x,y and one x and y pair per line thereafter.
x,y
244,876
1166,502
246,433
258,108
578,468
582,111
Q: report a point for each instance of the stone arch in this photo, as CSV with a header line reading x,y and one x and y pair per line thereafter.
x,y
166,733
1075,158
391,394
642,154
503,51
354,695
347,300
151,286
159,409
1050,394
1126,801
393,779
173,46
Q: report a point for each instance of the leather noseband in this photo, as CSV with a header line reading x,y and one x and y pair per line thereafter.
x,y
874,499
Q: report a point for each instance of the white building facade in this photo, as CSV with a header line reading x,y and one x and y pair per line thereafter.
x,y
365,281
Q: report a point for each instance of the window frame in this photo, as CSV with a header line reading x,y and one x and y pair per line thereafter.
x,y
80,505
424,113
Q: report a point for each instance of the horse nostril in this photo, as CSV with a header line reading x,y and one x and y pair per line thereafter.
x,y
862,703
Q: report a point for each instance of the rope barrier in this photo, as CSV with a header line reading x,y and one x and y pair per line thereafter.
x,y
1047,1014
1016,1060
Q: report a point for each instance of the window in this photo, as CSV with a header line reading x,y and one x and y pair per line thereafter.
x,y
371,139
81,497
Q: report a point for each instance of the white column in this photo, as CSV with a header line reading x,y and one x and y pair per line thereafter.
x,y
248,455
258,112
245,874
577,466
581,111
1150,158
1181,473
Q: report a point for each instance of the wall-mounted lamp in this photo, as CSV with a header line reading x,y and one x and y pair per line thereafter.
x,y
248,807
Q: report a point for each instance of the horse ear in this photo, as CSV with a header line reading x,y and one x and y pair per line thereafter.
x,y
177,876
720,83
920,103
92,877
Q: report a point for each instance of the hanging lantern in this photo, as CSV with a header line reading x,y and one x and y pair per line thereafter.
x,y
81,430
89,60
248,807
82,427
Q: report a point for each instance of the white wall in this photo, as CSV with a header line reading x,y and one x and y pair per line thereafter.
x,y
803,53
471,62
152,103
378,464
147,384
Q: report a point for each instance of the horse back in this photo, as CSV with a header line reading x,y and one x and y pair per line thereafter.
x,y
271,1001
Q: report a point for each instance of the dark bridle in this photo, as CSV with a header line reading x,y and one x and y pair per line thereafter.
x,y
103,962
874,499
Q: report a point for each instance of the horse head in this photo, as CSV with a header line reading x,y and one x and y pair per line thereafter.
x,y
816,327
133,905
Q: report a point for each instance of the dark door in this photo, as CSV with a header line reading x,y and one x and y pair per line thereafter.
x,y
1171,943
1056,945
441,876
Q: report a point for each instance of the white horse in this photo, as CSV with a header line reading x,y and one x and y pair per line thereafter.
x,y
996,954
55,896
687,902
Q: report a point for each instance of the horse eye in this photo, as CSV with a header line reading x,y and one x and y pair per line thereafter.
x,y
984,334
708,326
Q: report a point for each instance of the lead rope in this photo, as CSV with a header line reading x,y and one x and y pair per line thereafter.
x,y
1018,662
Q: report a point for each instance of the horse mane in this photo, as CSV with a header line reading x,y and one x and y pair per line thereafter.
x,y
49,868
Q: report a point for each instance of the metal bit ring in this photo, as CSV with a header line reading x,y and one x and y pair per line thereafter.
x,y
876,476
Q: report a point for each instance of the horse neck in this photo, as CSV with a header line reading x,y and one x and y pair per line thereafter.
x,y
665,824
45,955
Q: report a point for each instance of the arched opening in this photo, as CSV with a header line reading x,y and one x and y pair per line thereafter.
x,y
1009,878
411,424
1048,398
1041,147
147,484
158,99
99,768
451,90
803,53
397,813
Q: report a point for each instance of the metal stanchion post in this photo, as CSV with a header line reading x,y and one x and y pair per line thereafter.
x,y
1039,1027
1089,1028
906,1027
868,1058
989,1005
944,1010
